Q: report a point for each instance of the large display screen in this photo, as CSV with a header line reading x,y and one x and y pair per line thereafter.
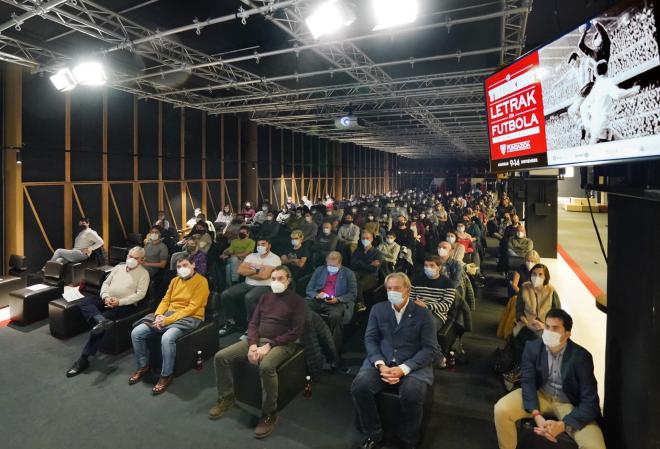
x,y
591,96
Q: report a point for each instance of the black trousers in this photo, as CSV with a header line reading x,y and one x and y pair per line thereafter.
x,y
412,391
91,306
335,313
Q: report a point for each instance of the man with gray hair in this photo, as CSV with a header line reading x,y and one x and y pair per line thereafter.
x,y
332,290
124,287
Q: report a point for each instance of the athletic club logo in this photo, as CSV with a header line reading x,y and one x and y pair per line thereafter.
x,y
503,149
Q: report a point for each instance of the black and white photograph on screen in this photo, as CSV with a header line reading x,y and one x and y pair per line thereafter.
x,y
601,88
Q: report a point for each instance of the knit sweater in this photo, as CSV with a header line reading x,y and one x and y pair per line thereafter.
x,y
88,238
279,317
185,297
128,286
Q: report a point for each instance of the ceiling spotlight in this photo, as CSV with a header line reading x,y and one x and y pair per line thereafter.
x,y
89,74
63,80
329,17
392,13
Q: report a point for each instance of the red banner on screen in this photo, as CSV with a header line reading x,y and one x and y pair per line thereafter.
x,y
516,127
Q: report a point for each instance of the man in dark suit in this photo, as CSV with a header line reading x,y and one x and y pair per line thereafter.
x,y
401,346
332,290
558,380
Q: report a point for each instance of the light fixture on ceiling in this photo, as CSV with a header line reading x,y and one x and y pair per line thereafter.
x,y
89,74
329,17
63,80
392,13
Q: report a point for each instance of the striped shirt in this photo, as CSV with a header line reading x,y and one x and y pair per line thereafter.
x,y
438,294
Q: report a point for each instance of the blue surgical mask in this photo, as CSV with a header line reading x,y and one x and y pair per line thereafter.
x,y
395,298
366,242
430,272
332,270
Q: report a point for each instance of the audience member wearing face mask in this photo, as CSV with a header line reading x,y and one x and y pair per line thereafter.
x,y
298,257
156,253
538,296
522,273
324,243
559,390
519,245
348,234
396,354
434,291
180,311
125,286
332,290
86,242
238,250
240,300
273,332
390,250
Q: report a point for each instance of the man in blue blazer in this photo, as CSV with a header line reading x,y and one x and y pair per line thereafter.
x,y
401,345
332,290
557,380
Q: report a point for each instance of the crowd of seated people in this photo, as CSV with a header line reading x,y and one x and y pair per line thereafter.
x,y
396,258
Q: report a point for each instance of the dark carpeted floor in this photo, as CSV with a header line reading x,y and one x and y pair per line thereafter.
x,y
40,408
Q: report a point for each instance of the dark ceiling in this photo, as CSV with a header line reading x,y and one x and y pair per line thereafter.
x,y
410,106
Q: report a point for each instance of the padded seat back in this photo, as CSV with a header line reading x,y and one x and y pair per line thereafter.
x,y
99,256
212,311
117,255
17,265
53,273
134,239
93,280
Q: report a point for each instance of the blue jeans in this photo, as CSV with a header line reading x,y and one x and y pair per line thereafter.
x,y
68,255
231,271
169,335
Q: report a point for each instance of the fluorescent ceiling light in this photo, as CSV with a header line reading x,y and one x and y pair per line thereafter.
x,y
392,13
328,18
89,74
63,80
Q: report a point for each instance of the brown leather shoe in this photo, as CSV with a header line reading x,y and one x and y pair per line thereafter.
x,y
139,374
265,426
162,385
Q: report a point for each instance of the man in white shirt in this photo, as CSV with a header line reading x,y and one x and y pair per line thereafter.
x,y
306,202
86,242
124,287
256,268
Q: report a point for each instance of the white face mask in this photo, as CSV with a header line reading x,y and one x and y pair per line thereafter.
x,y
461,229
327,231
154,237
442,252
520,235
131,262
261,250
430,272
390,241
451,240
529,265
551,339
537,281
277,286
184,272
295,243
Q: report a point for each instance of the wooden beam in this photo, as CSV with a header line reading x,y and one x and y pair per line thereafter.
x,y
223,189
204,183
13,177
182,158
68,194
105,207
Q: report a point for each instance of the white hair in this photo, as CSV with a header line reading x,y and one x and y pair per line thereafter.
x,y
137,251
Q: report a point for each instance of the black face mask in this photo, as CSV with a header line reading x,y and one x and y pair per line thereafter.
x,y
348,222
242,235
82,226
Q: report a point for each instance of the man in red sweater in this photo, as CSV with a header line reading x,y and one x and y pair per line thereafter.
x,y
273,332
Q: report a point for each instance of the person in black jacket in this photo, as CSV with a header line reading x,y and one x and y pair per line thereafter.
x,y
558,380
365,262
